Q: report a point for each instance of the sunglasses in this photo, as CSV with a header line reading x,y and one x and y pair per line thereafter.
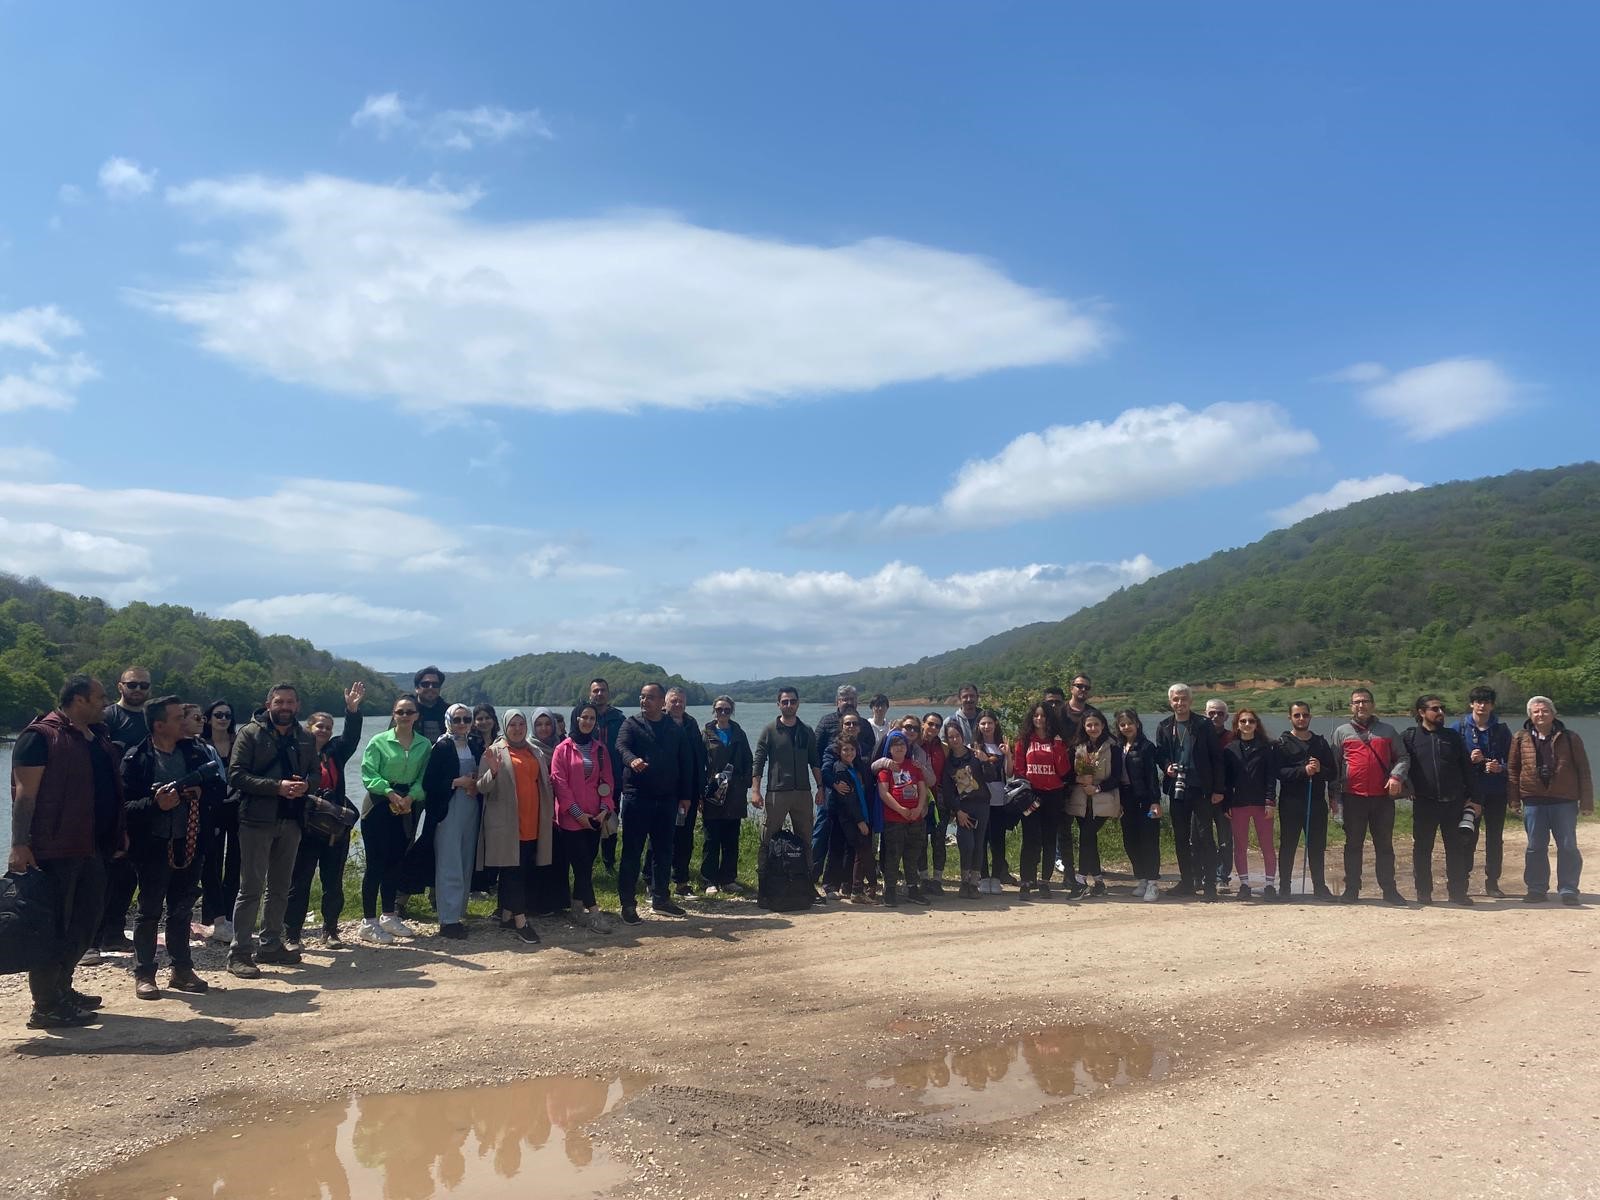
x,y
405,712
137,687
222,716
722,712
461,720
428,684
1246,721
1439,708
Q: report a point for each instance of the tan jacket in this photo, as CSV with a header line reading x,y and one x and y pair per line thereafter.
x,y
1570,781
500,833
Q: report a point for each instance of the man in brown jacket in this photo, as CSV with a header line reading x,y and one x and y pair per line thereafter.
x,y
1548,781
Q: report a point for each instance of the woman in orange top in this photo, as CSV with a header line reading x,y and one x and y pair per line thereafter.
x,y
516,829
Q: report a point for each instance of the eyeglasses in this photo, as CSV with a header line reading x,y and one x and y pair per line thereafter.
x,y
133,686
461,720
405,712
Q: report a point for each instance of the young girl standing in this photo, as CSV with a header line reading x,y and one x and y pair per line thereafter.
x,y
1094,797
994,758
1043,757
1139,781
964,792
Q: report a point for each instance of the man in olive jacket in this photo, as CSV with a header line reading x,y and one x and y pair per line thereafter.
x,y
274,760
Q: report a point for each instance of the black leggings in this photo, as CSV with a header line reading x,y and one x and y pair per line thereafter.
x,y
385,837
1041,829
1000,824
575,851
219,872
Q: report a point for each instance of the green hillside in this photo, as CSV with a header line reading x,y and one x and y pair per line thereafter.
x,y
561,679
46,635
1495,579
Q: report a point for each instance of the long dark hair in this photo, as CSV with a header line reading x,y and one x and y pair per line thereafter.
x,y
233,719
1052,724
1106,732
494,716
1127,714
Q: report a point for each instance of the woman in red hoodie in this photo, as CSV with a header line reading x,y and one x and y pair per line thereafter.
x,y
1044,759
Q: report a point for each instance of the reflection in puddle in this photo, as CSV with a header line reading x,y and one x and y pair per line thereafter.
x,y
469,1144
1002,1080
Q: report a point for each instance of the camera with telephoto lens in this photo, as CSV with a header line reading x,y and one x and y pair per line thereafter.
x,y
1468,822
211,771
1180,782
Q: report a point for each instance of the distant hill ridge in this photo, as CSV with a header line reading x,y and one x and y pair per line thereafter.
x,y
560,679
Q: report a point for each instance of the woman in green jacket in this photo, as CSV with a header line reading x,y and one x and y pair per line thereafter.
x,y
391,772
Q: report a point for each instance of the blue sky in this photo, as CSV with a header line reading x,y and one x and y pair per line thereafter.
x,y
751,339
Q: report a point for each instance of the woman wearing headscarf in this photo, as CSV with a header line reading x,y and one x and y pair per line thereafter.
x,y
586,801
450,784
516,830
551,894
486,724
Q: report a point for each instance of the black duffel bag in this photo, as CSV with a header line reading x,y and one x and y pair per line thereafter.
x,y
1019,797
28,927
785,884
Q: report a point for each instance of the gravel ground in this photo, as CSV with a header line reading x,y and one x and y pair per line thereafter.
x,y
1301,1048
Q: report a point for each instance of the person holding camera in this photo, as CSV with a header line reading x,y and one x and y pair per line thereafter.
x,y
325,846
166,779
1189,753
274,761
730,765
1547,776
1441,801
1488,743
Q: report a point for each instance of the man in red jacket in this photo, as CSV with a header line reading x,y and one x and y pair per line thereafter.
x,y
66,819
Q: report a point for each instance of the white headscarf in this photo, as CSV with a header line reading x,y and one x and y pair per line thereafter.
x,y
447,714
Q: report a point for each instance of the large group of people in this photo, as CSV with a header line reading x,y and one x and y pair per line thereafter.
x,y
184,805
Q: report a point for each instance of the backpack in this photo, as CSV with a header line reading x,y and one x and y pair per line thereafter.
x,y
785,883
28,936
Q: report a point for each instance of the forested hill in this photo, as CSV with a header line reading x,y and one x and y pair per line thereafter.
x,y
46,635
561,679
1494,578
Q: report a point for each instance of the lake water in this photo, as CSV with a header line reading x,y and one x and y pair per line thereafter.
x,y
753,715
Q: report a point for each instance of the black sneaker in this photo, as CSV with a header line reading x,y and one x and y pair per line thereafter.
x,y
1492,888
1571,899
1349,897
1183,888
455,930
80,1000
915,896
1009,879
1394,898
683,889
1099,888
665,904
529,935
331,939
282,956
1244,891
62,1016
1026,889
1323,892
1270,893
1535,898
1043,889
1462,900
1424,897
242,966
120,944
630,915
1209,895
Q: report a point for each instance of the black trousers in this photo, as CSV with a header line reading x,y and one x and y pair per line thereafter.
x,y
122,879
575,851
1362,813
849,861
219,870
385,839
1291,824
903,843
1041,831
608,851
80,890
317,856
1141,838
653,822
519,884
719,855
938,840
1430,818
1088,831
683,843
999,825
1493,827
1223,828
1194,838
163,886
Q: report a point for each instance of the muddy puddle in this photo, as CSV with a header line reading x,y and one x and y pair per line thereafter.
x,y
1007,1079
523,1139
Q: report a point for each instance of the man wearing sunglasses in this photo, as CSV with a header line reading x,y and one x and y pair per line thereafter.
x,y
127,725
788,746
432,711
1441,793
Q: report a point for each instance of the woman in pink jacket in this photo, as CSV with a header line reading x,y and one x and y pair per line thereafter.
x,y
586,802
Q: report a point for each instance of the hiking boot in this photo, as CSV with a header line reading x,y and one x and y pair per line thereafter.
x,y
145,988
81,1000
1349,897
1025,889
630,915
456,931
1323,892
1462,900
62,1016
914,896
331,939
665,904
183,979
1043,889
1571,899
1492,888
279,956
1535,898
1393,897
242,966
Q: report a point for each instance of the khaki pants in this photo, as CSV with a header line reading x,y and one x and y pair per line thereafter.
x,y
798,807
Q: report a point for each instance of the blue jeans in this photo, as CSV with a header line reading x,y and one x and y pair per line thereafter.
x,y
646,820
821,834
1541,820
455,850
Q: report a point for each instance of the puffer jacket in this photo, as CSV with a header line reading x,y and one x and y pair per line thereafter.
x,y
1569,778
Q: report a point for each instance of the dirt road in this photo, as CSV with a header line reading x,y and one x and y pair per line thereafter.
x,y
1102,1049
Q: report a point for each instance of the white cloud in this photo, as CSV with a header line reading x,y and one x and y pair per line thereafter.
x,y
559,562
377,290
52,382
1143,454
388,114
1345,492
27,462
123,179
748,623
51,551
326,617
1361,372
1442,397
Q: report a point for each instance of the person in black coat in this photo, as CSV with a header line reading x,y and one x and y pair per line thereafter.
x,y
1140,788
1250,768
1441,780
317,855
726,804
1306,766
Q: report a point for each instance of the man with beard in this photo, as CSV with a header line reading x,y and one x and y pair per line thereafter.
x,y
127,724
432,709
693,790
274,760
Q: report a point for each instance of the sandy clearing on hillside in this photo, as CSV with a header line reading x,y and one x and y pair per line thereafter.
x,y
1388,1052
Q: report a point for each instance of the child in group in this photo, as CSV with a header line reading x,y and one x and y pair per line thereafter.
x,y
1140,784
994,759
1094,797
903,789
857,813
964,793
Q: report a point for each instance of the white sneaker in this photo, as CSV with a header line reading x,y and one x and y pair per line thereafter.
x,y
1061,868
390,923
372,931
711,890
222,931
1151,892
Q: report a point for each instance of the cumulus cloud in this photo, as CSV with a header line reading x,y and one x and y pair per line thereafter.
x,y
373,290
1442,397
746,623
124,179
1143,454
1345,492
52,551
326,617
388,114
34,371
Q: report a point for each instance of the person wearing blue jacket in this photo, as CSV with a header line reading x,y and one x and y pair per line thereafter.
x,y
1488,742
858,817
